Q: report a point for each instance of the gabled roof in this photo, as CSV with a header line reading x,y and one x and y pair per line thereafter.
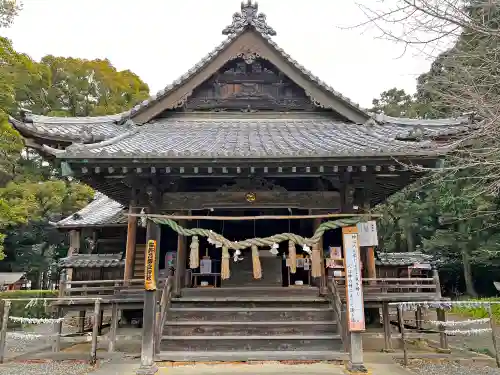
x,y
102,211
248,36
254,137
251,24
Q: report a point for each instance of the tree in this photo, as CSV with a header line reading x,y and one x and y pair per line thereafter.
x,y
396,103
32,195
8,10
463,38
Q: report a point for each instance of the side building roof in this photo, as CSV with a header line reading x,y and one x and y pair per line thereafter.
x,y
102,211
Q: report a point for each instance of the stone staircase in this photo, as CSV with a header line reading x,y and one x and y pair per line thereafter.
x,y
242,323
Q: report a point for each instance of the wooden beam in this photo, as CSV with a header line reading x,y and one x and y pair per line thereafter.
x,y
263,217
131,243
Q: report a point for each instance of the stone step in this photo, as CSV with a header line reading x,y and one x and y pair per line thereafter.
x,y
236,356
251,314
248,302
251,343
251,292
262,328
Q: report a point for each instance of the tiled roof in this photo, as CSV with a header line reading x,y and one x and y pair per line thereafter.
x,y
101,211
248,137
8,278
101,128
427,128
403,259
71,129
92,261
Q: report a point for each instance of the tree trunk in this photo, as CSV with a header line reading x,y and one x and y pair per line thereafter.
x,y
469,282
464,251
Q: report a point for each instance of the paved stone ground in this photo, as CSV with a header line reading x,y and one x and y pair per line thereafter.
x,y
236,369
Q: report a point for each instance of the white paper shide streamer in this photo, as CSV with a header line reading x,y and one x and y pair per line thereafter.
x,y
467,332
457,323
22,320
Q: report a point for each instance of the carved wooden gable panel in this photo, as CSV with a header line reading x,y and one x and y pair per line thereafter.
x,y
251,84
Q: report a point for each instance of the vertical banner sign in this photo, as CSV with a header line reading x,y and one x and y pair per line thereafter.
x,y
354,285
149,274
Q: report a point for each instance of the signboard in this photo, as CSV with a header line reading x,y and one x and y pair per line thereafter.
x,y
368,233
354,286
150,266
206,266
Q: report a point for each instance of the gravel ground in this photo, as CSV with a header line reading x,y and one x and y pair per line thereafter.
x,y
45,368
421,367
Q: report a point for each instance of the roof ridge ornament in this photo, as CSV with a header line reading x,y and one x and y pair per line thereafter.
x,y
249,16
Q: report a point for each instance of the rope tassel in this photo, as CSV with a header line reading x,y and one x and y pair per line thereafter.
x,y
292,256
316,261
225,273
194,254
257,269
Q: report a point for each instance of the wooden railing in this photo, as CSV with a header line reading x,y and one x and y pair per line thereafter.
x,y
94,288
164,307
338,308
383,286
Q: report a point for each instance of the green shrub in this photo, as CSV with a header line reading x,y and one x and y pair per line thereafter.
x,y
479,312
24,308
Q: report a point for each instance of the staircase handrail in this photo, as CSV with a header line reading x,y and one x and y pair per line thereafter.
x,y
337,306
161,319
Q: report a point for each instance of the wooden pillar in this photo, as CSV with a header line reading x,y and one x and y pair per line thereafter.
x,y
3,330
95,331
57,329
370,263
387,327
74,248
322,281
114,327
149,312
131,243
180,267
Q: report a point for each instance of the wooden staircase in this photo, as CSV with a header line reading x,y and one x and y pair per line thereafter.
x,y
242,323
139,261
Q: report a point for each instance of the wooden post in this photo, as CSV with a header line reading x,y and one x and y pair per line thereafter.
x,y
148,366
322,281
114,327
493,334
443,339
131,243
95,331
74,248
387,326
81,321
403,338
418,317
370,263
437,282
3,331
56,344
180,267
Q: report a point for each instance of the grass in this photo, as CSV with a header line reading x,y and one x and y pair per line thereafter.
x,y
20,309
479,312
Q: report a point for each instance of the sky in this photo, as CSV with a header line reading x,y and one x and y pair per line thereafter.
x,y
161,39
